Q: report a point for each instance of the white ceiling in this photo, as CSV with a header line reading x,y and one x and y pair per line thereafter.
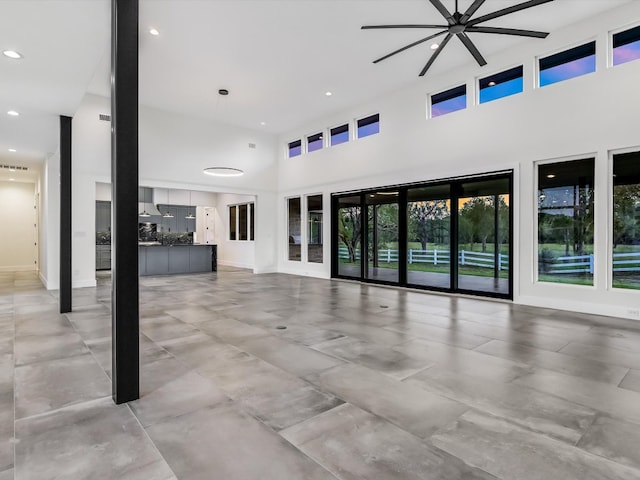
x,y
277,57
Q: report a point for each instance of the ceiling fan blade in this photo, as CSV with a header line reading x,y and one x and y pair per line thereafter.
x,y
443,11
374,27
466,41
406,47
508,31
435,54
471,10
507,11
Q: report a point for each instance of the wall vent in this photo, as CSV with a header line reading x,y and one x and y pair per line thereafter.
x,y
252,145
15,167
104,117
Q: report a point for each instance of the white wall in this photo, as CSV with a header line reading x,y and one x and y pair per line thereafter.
x,y
50,222
173,152
586,116
18,235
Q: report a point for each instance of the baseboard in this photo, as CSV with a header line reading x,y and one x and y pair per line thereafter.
x,y
19,268
580,307
84,283
235,264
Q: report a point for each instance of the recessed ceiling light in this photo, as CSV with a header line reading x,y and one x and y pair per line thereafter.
x,y
434,46
13,113
492,84
12,150
328,94
263,123
11,169
154,32
12,54
551,175
223,172
12,179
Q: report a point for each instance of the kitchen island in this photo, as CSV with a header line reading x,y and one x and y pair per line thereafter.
x,y
158,259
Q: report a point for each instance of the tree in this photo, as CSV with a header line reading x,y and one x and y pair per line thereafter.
x,y
349,230
422,218
626,214
479,211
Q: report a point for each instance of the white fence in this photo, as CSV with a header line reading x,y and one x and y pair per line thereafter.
x,y
622,262
436,257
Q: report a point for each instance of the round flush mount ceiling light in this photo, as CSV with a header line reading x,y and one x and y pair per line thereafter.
x,y
434,46
223,172
12,54
154,32
328,94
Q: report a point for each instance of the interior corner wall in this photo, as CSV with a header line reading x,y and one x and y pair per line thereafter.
x,y
18,236
587,116
50,222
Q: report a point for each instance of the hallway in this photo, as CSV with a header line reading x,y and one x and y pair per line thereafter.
x,y
365,382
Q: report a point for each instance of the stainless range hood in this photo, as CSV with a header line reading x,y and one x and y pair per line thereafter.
x,y
145,202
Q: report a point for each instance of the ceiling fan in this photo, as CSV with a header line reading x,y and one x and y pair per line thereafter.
x,y
459,24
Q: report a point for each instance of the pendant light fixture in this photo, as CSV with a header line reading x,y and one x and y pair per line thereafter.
x,y
168,213
144,212
190,216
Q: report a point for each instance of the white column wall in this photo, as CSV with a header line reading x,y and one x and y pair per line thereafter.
x,y
588,116
50,222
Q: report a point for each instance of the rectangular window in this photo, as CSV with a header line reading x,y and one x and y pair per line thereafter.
x,y
294,230
242,222
369,126
314,142
314,233
501,85
252,221
340,134
626,221
565,222
295,148
449,101
232,222
626,46
568,64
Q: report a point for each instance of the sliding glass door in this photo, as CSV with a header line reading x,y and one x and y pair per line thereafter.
x,y
452,236
483,236
348,237
428,247
382,236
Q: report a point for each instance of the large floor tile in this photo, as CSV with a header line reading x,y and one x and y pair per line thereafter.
x,y
276,397
183,394
631,381
223,442
611,356
297,359
559,362
407,406
617,402
377,357
45,386
528,408
92,440
615,439
512,453
356,445
38,348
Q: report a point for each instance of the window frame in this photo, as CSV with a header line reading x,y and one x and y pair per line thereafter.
x,y
611,45
536,224
288,148
367,117
330,134
249,223
539,58
430,103
479,80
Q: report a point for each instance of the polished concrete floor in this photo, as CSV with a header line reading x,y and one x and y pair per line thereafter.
x,y
364,382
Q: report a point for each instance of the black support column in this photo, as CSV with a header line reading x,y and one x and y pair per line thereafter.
x,y
65,214
124,180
